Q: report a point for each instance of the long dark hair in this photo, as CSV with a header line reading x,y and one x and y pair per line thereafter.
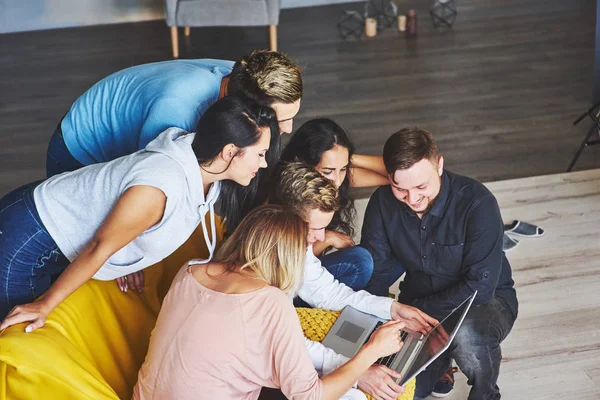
x,y
307,145
237,120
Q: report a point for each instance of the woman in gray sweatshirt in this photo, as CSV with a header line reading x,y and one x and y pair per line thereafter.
x,y
109,220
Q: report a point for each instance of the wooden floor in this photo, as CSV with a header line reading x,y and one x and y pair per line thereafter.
x,y
553,351
499,91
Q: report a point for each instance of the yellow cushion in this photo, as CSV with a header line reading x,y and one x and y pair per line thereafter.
x,y
94,343
316,323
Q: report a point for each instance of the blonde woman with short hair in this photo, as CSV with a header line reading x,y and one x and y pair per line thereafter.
x,y
228,328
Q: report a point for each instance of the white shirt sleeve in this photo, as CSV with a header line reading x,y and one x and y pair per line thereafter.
x,y
321,290
324,359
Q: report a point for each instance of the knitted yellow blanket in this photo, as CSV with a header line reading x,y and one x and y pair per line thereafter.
x,y
316,323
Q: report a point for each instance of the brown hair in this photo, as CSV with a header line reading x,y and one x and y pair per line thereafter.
x,y
266,77
407,147
301,188
271,242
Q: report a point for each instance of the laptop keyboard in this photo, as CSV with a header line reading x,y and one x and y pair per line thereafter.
x,y
389,360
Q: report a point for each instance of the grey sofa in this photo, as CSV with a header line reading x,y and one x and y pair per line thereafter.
x,y
190,13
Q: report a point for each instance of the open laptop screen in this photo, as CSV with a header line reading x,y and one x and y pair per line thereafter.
x,y
438,338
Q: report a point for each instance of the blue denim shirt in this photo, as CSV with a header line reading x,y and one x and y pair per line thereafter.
x,y
455,249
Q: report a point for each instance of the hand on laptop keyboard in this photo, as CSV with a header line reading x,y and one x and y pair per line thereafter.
x,y
386,339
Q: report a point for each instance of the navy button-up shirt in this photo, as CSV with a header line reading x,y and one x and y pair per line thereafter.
x,y
455,249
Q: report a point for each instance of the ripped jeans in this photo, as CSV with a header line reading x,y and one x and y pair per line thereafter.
x,y
30,260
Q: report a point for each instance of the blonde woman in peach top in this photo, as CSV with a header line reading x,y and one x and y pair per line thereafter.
x,y
228,328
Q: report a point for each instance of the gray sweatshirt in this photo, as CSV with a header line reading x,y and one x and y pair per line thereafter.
x,y
74,205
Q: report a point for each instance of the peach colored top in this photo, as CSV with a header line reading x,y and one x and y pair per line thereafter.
x,y
212,345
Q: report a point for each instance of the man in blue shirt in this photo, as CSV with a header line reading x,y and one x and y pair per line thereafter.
x,y
123,112
445,231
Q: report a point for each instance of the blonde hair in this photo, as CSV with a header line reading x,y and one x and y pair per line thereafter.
x,y
266,77
271,242
300,187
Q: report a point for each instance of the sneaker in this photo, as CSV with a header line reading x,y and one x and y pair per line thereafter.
x,y
446,383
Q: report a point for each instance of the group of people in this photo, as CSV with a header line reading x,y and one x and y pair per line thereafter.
x,y
155,152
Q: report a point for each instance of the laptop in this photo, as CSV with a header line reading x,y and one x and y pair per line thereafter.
x,y
353,329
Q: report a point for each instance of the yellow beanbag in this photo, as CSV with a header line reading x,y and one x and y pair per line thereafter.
x,y
316,323
94,343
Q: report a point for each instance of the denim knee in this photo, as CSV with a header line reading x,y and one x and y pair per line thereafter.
x,y
363,261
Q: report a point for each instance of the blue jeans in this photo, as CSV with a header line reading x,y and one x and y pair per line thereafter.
x,y
476,350
30,260
351,266
58,158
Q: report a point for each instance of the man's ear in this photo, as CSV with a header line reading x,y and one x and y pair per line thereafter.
x,y
391,178
228,152
440,166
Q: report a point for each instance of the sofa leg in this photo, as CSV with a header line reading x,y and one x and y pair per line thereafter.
x,y
175,41
273,37
186,31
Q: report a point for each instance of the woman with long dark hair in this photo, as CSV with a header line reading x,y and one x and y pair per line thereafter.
x,y
108,220
325,145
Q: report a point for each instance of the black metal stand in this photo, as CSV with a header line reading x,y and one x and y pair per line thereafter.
x,y
443,14
593,113
384,11
351,23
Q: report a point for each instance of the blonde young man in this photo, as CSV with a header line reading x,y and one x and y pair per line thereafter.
x,y
123,112
302,188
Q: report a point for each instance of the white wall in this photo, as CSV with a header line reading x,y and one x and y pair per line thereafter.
x,y
26,15
306,3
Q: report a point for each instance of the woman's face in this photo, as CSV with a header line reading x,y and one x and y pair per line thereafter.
x,y
250,159
334,164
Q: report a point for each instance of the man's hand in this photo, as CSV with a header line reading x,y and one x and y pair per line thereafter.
x,y
133,281
415,319
338,240
379,382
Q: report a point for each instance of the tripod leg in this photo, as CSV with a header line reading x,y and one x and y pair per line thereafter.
x,y
583,145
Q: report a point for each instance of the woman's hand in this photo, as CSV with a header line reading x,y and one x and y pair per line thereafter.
x,y
36,313
338,240
386,339
134,281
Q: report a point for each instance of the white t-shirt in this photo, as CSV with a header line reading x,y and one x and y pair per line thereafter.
x,y
321,290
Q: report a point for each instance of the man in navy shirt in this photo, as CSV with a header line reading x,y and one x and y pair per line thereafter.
x,y
445,231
